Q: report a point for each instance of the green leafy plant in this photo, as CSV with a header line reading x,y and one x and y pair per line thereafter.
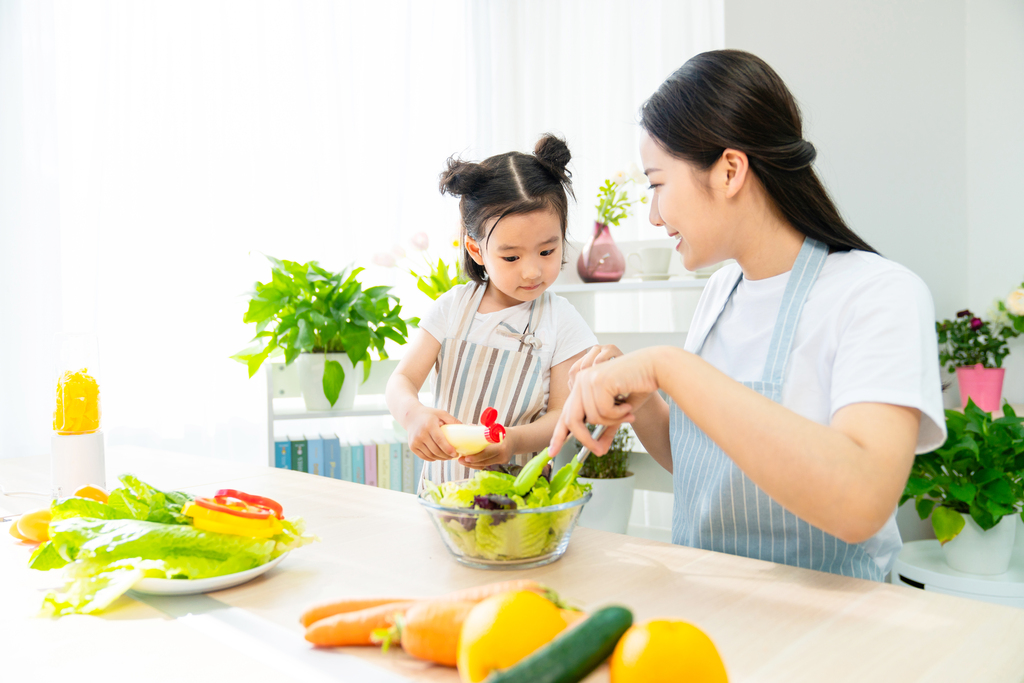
x,y
968,340
977,471
613,201
305,308
613,464
438,278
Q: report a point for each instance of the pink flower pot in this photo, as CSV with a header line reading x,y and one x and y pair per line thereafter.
x,y
983,385
600,260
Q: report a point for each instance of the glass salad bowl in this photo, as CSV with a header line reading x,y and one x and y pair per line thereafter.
x,y
505,539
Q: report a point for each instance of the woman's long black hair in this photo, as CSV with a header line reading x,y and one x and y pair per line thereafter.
x,y
732,99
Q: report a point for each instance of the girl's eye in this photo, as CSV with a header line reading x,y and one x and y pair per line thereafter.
x,y
548,252
510,259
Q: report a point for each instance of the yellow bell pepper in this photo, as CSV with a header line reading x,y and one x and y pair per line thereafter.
x,y
226,523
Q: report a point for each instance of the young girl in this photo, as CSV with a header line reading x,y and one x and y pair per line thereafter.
x,y
810,375
502,340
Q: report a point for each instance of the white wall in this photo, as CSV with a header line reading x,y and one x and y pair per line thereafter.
x,y
915,107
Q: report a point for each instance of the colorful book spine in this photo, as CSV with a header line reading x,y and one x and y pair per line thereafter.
x,y
408,468
300,454
345,457
332,456
283,453
397,471
383,465
358,463
315,447
370,462
417,472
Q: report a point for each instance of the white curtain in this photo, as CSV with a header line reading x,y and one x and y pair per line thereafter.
x,y
151,151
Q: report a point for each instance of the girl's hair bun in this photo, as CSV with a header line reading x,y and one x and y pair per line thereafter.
x,y
461,177
553,153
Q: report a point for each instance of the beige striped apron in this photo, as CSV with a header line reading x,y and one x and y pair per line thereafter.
x,y
471,377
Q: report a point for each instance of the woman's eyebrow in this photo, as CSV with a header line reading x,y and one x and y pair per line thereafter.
x,y
649,171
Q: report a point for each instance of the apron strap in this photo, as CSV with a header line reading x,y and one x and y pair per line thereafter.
x,y
808,265
469,312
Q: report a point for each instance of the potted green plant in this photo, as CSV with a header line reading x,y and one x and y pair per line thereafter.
x,y
437,279
612,486
327,321
971,487
974,349
600,260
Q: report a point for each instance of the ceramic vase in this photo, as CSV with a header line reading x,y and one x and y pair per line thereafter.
x,y
983,385
974,551
311,381
600,259
611,504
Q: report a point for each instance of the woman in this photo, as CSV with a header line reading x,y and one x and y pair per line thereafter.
x,y
809,377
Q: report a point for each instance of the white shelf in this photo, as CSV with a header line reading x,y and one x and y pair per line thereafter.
x,y
630,286
294,408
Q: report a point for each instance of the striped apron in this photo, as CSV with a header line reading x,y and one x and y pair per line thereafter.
x,y
716,506
471,377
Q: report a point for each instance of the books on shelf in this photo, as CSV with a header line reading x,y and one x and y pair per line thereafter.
x,y
384,460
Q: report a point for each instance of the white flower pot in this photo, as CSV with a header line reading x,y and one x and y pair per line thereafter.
x,y
611,504
974,551
311,381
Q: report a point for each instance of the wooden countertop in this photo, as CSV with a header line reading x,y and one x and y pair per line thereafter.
x,y
770,622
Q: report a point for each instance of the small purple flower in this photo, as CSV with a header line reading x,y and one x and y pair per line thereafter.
x,y
975,323
964,313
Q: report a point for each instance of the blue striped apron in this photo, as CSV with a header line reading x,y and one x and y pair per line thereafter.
x,y
471,377
716,506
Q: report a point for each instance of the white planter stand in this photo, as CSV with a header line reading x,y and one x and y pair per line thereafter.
x,y
974,551
611,504
311,381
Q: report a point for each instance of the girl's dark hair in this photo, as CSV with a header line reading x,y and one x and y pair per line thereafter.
x,y
732,99
507,184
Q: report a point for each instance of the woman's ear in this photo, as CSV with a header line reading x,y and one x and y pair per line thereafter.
x,y
734,167
474,250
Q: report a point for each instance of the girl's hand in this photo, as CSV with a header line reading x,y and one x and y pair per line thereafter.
x,y
596,354
425,436
494,454
607,393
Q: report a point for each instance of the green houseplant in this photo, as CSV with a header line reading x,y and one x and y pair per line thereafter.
x,y
437,279
307,309
600,260
974,349
975,476
611,484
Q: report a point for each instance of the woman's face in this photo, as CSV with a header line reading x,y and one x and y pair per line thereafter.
x,y
686,205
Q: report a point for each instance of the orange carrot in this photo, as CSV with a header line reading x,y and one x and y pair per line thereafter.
x,y
478,593
429,630
353,628
328,609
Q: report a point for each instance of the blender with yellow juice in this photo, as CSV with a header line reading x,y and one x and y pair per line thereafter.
x,y
76,448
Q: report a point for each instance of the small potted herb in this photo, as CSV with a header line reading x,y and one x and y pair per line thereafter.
x,y
327,321
971,487
612,486
974,349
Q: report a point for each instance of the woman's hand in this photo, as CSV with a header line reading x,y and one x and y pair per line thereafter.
x,y
607,393
425,436
596,354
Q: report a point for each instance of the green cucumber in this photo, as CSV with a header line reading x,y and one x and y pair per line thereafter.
x,y
574,653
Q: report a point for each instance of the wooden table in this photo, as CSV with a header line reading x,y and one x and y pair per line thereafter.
x,y
770,622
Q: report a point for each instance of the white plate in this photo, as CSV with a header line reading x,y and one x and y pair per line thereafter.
x,y
193,586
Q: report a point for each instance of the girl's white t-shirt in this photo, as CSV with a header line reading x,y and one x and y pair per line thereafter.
x,y
866,334
561,329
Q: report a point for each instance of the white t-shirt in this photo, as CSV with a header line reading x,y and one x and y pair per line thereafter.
x,y
561,329
866,334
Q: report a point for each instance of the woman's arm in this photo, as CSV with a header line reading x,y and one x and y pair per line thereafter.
x,y
536,435
423,424
845,478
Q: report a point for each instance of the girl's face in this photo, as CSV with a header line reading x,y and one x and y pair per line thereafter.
x,y
686,206
522,256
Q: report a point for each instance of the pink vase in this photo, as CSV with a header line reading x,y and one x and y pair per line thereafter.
x,y
983,385
600,260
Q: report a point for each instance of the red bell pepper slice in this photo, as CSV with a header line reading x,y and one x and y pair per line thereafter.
x,y
252,500
247,505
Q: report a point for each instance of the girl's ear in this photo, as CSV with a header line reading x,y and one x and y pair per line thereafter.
x,y
734,166
474,250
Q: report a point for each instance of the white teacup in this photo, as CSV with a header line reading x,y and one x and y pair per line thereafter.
x,y
652,262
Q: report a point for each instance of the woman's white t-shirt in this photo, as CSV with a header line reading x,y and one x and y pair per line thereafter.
x,y
866,334
561,329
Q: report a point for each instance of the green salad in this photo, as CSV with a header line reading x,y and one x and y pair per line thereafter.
x,y
141,532
504,535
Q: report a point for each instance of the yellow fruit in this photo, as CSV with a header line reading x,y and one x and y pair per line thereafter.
x,y
663,651
14,531
35,526
78,403
93,492
503,629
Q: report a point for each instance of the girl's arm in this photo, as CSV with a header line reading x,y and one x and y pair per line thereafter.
x,y
845,478
536,435
402,396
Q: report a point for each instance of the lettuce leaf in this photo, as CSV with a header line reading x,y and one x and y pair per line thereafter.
x,y
139,500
